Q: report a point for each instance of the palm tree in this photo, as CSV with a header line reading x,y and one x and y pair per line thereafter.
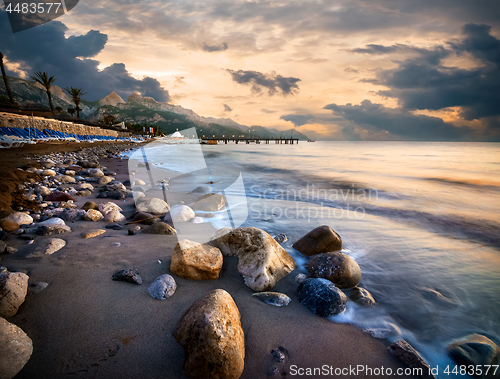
x,y
76,94
46,81
6,81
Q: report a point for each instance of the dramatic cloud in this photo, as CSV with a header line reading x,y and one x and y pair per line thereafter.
x,y
296,119
272,82
227,108
212,48
399,122
46,48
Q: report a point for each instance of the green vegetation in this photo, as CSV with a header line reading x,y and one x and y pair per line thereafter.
x,y
45,80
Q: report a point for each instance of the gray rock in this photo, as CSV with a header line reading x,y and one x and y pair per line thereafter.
x,y
321,297
163,287
180,213
95,173
407,354
475,350
69,214
206,189
115,195
128,275
15,349
154,206
211,202
13,289
280,238
3,247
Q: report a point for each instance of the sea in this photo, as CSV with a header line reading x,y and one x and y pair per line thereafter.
x,y
420,218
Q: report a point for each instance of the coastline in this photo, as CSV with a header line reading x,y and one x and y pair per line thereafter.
x,y
87,325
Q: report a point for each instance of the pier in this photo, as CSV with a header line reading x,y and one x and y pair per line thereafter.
x,y
236,140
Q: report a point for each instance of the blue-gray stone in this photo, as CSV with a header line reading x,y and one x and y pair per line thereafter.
x,y
321,297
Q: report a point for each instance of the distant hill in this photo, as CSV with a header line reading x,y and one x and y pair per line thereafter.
x,y
140,110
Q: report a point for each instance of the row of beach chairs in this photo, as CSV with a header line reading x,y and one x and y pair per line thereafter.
x,y
16,137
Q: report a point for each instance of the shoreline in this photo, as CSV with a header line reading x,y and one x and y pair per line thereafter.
x,y
87,325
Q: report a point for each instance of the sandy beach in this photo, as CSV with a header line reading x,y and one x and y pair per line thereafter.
x,y
86,325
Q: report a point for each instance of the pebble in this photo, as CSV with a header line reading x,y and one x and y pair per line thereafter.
x,y
128,275
163,287
93,233
273,298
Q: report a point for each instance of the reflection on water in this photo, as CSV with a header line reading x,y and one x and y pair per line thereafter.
x,y
421,219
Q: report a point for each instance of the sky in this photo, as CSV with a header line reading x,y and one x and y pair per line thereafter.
x,y
342,70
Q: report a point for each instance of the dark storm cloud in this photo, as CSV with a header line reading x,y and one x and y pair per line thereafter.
x,y
399,122
46,48
272,82
227,108
297,119
212,48
424,82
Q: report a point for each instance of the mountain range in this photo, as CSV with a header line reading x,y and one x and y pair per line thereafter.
x,y
141,110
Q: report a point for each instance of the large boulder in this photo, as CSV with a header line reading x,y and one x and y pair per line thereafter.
x,y
262,261
13,289
323,239
15,349
154,206
321,297
338,268
212,338
192,260
180,213
20,218
475,350
210,202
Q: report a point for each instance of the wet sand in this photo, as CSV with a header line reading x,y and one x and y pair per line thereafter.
x,y
84,325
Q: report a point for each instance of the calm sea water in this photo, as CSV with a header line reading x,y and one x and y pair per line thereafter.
x,y
421,220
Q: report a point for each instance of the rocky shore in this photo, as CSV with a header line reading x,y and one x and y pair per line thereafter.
x,y
94,283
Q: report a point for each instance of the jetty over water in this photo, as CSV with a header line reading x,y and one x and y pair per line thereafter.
x,y
236,140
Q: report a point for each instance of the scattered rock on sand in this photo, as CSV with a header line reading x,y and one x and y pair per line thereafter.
x,y
362,297
474,350
211,202
321,297
69,214
65,178
407,354
42,190
47,163
134,230
115,195
323,239
180,213
93,215
9,225
262,261
90,205
83,186
15,349
88,164
154,206
192,260
389,330
128,275
114,216
339,268
273,298
108,207
59,196
105,180
93,233
20,218
160,228
3,247
84,193
115,185
49,247
212,338
163,287
95,173
52,221
48,172
37,287
47,230
13,289
145,218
